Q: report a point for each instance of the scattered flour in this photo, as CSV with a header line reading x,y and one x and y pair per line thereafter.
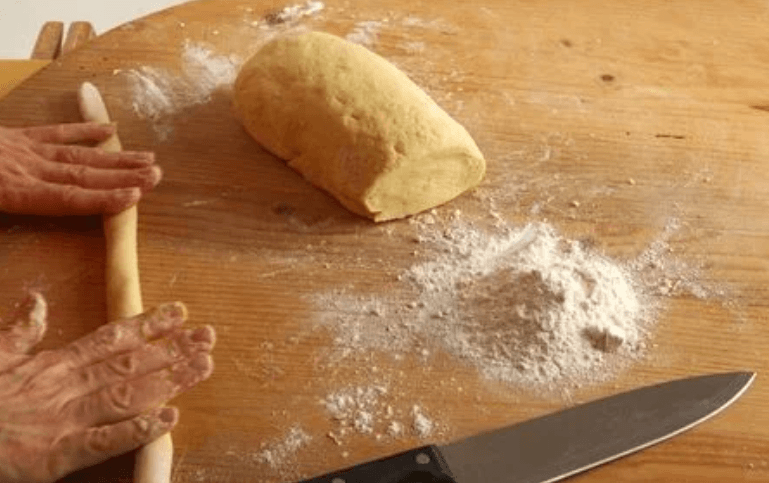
x,y
28,324
371,410
662,273
151,92
158,93
395,429
423,425
210,71
439,24
413,47
278,454
355,407
294,12
365,33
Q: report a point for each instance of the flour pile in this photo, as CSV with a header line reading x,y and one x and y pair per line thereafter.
x,y
524,306
527,306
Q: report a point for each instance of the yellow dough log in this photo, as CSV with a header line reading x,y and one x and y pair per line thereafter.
x,y
153,461
353,124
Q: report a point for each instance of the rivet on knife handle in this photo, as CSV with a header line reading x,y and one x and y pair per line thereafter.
x,y
421,465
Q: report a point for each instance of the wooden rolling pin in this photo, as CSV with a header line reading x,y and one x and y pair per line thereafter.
x,y
153,461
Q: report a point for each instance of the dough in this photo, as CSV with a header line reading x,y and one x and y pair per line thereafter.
x,y
124,298
354,125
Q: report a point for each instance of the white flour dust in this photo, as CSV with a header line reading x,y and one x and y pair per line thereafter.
x,y
524,306
209,70
527,306
423,425
413,47
356,408
365,33
278,454
158,93
438,24
152,92
374,411
662,273
293,13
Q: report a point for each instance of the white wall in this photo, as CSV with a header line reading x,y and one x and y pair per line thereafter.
x,y
20,20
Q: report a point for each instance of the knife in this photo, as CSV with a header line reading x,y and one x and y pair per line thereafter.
x,y
561,444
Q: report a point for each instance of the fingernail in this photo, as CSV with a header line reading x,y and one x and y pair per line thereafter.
x,y
174,310
168,416
150,177
202,362
149,157
129,196
156,175
203,334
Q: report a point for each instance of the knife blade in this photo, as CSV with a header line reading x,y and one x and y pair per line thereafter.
x,y
561,444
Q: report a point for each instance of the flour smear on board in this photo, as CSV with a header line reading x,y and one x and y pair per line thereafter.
x,y
365,33
292,13
523,305
158,93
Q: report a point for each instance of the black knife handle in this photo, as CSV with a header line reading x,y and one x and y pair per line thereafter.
x,y
421,465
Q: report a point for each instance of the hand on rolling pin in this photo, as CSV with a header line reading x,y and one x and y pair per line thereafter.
x,y
42,173
100,396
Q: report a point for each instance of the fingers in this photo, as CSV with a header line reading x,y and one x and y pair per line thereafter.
x,y
70,133
94,445
126,335
51,199
178,346
126,399
29,328
98,178
96,157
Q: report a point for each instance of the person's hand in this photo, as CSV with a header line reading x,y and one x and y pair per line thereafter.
x,y
99,397
42,174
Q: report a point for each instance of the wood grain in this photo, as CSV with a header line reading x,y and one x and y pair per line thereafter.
x,y
568,102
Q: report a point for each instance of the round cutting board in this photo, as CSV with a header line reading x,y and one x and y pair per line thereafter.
x,y
618,124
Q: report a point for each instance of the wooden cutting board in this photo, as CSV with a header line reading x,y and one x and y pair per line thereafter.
x,y
606,119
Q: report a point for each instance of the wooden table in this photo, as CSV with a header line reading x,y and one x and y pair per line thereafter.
x,y
640,114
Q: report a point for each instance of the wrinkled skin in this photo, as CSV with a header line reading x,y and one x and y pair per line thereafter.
x,y
42,173
98,397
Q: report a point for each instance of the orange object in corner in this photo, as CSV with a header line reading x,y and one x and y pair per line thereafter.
x,y
14,72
